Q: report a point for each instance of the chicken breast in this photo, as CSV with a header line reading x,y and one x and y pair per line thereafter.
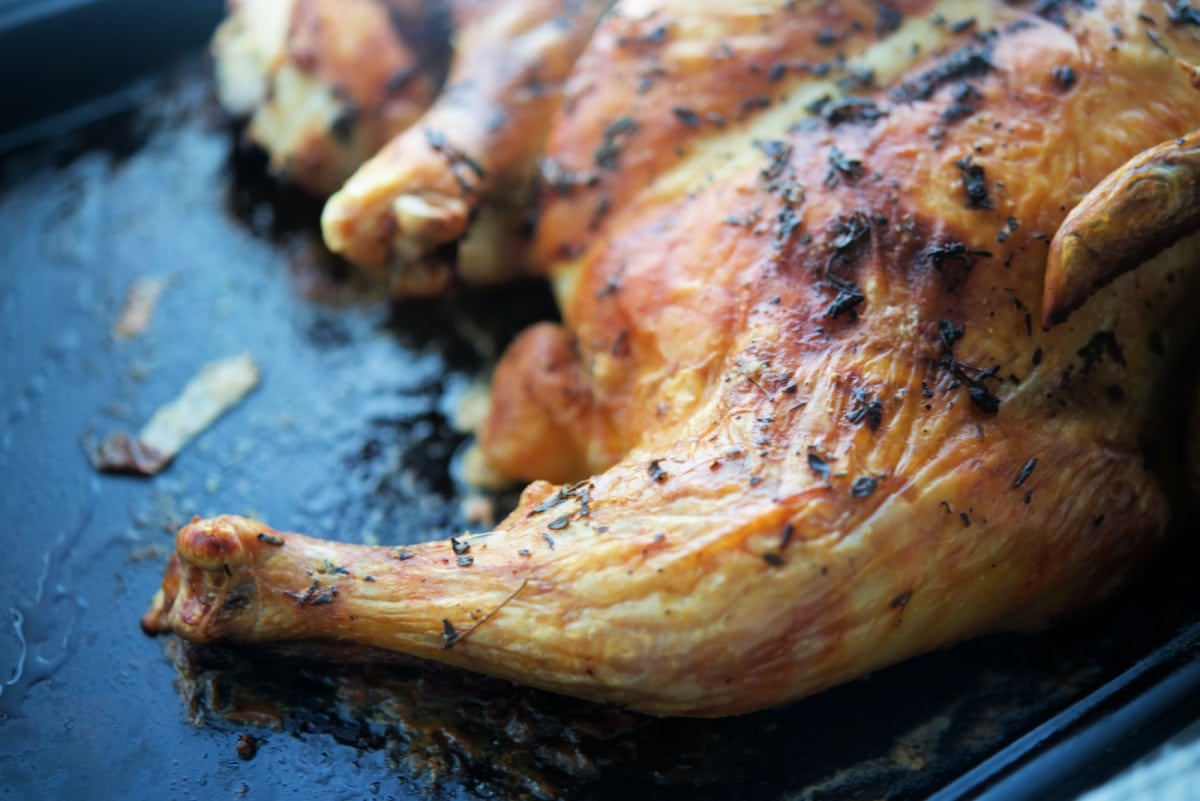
x,y
802,413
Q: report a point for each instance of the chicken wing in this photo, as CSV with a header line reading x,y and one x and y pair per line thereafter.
x,y
801,251
325,83
447,200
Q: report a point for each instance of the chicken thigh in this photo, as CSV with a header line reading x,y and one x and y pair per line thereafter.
x,y
802,416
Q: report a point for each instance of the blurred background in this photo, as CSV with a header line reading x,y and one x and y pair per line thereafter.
x,y
68,62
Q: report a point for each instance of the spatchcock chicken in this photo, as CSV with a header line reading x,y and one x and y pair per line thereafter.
x,y
871,315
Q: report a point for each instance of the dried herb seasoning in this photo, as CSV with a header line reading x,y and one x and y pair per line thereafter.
x,y
1102,345
1064,76
868,409
887,19
974,181
1025,473
779,155
270,539
687,117
842,167
970,61
974,377
466,170
449,635
864,486
342,125
818,465
849,108
953,259
615,137
1183,13
849,296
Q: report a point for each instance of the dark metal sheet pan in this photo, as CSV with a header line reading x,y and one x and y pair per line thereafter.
x,y
349,436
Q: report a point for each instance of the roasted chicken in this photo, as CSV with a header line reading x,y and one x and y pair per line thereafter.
x,y
803,416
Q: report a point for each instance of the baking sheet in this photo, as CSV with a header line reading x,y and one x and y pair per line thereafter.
x,y
349,436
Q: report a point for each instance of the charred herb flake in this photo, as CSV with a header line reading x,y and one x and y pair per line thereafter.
x,y
868,409
954,260
973,377
1025,473
552,501
786,222
862,487
312,597
779,155
983,398
1103,344
887,19
687,117
1064,76
849,296
974,181
466,170
342,126
616,135
842,167
972,60
270,539
449,635
845,109
848,231
559,523
656,472
818,465
1183,13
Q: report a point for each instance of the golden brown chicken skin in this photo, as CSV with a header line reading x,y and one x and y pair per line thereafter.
x,y
801,359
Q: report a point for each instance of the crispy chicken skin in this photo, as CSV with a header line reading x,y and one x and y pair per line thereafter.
x,y
802,272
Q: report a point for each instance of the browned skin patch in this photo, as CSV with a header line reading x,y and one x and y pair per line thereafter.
x,y
726,320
